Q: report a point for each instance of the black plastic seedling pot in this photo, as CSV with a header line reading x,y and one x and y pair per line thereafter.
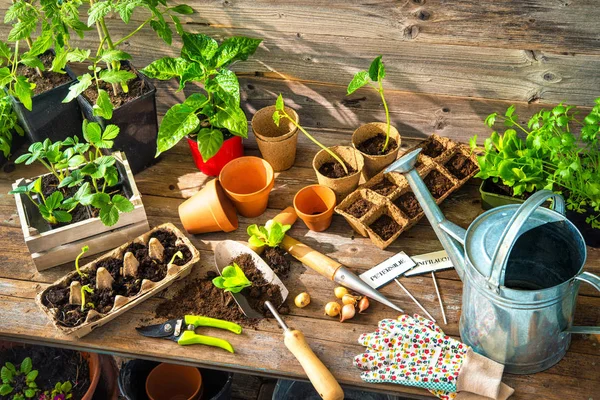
x,y
138,123
49,116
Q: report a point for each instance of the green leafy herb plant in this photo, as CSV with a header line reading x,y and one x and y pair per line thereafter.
x,y
205,116
560,151
280,113
374,77
62,390
232,279
80,165
23,377
269,235
8,125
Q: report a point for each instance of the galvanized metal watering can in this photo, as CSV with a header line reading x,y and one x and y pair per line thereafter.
x,y
521,267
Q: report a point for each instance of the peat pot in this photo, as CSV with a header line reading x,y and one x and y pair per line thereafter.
x,y
375,163
521,267
277,144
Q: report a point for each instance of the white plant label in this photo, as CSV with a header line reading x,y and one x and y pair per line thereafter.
x,y
436,261
387,270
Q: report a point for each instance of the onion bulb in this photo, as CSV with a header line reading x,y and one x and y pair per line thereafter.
x,y
302,300
333,309
349,299
363,304
347,312
340,291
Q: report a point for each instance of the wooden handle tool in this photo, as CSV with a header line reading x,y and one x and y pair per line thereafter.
x,y
318,374
286,217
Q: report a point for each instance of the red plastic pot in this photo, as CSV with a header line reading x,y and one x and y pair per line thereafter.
x,y
232,148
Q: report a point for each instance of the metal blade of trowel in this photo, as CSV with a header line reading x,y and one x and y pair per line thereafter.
x,y
226,251
332,270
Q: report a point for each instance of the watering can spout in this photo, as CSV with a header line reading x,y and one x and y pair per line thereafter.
x,y
450,235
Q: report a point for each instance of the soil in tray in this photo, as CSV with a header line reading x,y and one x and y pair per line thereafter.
x,y
437,184
433,149
374,145
359,208
53,365
335,170
385,227
48,80
461,166
408,204
137,87
261,290
384,188
278,260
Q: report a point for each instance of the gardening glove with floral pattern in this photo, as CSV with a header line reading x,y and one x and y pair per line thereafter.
x,y
415,352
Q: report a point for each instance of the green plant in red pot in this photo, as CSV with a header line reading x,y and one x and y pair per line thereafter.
x,y
213,121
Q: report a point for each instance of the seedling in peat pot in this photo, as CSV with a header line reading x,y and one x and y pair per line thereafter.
x,y
84,250
280,113
269,235
374,76
232,279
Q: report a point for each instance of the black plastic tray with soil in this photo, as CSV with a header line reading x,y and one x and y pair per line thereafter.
x,y
53,365
374,145
151,272
48,80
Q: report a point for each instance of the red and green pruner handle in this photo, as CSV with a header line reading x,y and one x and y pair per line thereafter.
x,y
190,337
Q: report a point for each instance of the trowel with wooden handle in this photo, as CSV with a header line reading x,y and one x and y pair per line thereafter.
x,y
318,374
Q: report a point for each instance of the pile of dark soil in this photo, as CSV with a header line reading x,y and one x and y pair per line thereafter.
x,y
49,80
384,188
374,145
103,300
137,87
385,227
278,260
53,365
461,166
359,208
408,204
433,149
261,290
437,184
335,170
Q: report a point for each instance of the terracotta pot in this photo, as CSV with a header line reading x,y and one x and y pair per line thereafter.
x,y
248,182
174,382
232,148
277,144
341,186
314,205
375,163
209,210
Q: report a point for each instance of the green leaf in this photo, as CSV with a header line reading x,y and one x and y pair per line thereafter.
x,y
377,70
509,111
98,11
219,282
473,142
180,120
193,72
84,82
198,47
177,23
6,375
5,51
360,79
110,132
78,55
5,76
24,91
66,387
491,119
116,76
29,393
11,367
103,107
92,132
233,119
230,271
182,9
109,215
31,376
60,60
226,84
196,101
26,365
234,49
54,200
5,389
255,241
166,68
100,200
163,30
110,56
122,203
32,61
22,29
62,216
42,43
209,142
36,186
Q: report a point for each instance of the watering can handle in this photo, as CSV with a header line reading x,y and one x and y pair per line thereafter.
x,y
511,232
593,280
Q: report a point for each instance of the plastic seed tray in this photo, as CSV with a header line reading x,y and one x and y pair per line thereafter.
x,y
386,196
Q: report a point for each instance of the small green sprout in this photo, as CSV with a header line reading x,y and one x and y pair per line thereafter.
x,y
232,279
179,255
86,289
84,250
269,235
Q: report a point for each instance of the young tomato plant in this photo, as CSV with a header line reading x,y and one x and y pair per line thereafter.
x,y
232,279
269,235
374,76
8,125
205,116
280,113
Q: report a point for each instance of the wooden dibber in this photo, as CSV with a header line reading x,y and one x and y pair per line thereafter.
x,y
321,378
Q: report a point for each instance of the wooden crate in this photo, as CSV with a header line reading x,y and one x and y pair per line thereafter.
x,y
52,247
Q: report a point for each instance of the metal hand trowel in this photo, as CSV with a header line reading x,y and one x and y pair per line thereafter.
x,y
226,251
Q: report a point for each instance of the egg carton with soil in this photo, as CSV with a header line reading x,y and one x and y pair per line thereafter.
x,y
120,280
385,206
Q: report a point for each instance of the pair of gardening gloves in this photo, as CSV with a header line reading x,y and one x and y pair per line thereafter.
x,y
413,351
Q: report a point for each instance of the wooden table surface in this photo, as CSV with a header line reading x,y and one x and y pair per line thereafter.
x,y
261,351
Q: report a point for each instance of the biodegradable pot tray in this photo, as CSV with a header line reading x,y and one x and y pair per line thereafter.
x,y
52,247
452,164
122,303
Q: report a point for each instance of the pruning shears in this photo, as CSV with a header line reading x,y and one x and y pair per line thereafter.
x,y
183,331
